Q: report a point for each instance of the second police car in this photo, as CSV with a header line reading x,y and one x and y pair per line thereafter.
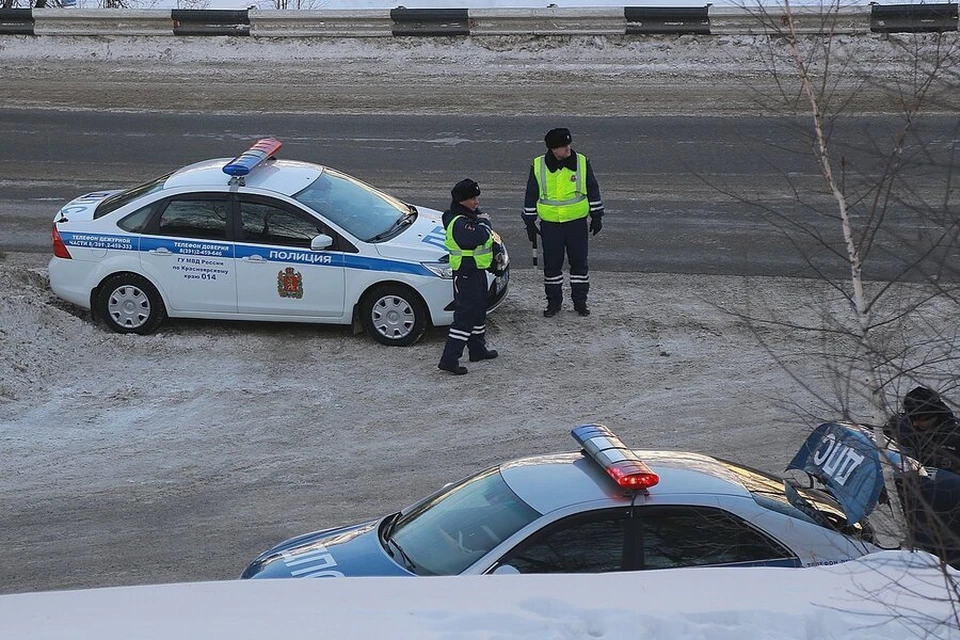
x,y
604,508
258,238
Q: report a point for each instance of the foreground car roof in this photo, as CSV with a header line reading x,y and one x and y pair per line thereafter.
x,y
551,482
282,176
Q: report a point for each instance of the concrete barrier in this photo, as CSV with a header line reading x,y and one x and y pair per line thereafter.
x,y
551,21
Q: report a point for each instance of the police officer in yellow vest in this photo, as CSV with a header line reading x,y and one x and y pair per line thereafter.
x,y
470,243
562,191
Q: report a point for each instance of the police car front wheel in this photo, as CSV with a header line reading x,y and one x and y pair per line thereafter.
x,y
128,303
393,315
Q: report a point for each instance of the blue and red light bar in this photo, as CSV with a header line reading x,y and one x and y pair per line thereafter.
x,y
246,161
620,462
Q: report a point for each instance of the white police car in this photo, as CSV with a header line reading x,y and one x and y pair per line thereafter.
x,y
606,508
257,238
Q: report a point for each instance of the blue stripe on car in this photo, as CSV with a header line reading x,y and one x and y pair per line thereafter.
x,y
229,250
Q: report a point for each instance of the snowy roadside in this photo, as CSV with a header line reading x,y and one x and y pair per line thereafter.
x,y
506,75
156,450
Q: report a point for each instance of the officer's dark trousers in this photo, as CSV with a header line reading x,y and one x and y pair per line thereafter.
x,y
469,328
557,238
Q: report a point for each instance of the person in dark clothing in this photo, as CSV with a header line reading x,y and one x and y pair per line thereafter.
x,y
561,192
932,506
470,242
927,430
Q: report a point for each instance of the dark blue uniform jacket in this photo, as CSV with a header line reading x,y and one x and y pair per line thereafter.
x,y
469,232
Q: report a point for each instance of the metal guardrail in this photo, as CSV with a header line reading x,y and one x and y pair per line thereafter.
x,y
402,22
430,22
806,20
16,22
914,18
210,22
662,20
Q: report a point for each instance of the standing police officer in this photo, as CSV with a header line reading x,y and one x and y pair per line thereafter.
x,y
562,191
470,244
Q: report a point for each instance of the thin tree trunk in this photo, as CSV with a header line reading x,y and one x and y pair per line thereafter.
x,y
856,277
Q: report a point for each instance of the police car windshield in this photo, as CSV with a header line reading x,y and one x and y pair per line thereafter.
x,y
354,206
448,532
118,200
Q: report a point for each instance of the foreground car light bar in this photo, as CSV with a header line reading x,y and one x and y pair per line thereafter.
x,y
620,463
246,161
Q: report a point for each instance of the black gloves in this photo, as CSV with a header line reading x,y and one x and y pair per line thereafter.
x,y
532,231
596,223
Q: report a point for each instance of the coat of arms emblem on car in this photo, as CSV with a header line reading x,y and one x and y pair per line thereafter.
x,y
289,283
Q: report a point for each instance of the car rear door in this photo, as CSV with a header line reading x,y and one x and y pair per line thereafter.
x,y
277,273
184,248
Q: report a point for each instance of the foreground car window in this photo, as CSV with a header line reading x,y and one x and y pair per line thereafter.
x,y
447,534
118,200
685,536
353,205
586,543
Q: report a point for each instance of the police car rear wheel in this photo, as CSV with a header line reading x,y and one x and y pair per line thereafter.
x,y
130,304
393,315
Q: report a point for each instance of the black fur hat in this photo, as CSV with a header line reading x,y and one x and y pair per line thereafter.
x,y
557,138
923,402
464,190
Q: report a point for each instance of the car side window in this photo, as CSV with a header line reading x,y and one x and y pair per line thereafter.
x,y
691,536
137,221
593,542
264,223
195,218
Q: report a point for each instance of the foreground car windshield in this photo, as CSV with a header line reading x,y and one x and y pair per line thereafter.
x,y
447,534
353,205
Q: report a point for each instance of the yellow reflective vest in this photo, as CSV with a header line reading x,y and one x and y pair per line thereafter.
x,y
563,193
482,255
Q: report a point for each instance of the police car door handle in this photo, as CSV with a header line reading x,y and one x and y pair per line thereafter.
x,y
255,258
161,251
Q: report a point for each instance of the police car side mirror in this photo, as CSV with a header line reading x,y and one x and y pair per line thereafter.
x,y
321,242
508,569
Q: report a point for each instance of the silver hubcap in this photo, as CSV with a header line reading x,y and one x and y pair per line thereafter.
x,y
128,307
393,317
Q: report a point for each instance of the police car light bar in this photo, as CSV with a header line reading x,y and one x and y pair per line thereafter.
x,y
246,161
620,463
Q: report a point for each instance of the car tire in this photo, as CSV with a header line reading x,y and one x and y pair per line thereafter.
x,y
128,303
393,315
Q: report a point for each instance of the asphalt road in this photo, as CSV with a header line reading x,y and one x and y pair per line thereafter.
x,y
698,195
